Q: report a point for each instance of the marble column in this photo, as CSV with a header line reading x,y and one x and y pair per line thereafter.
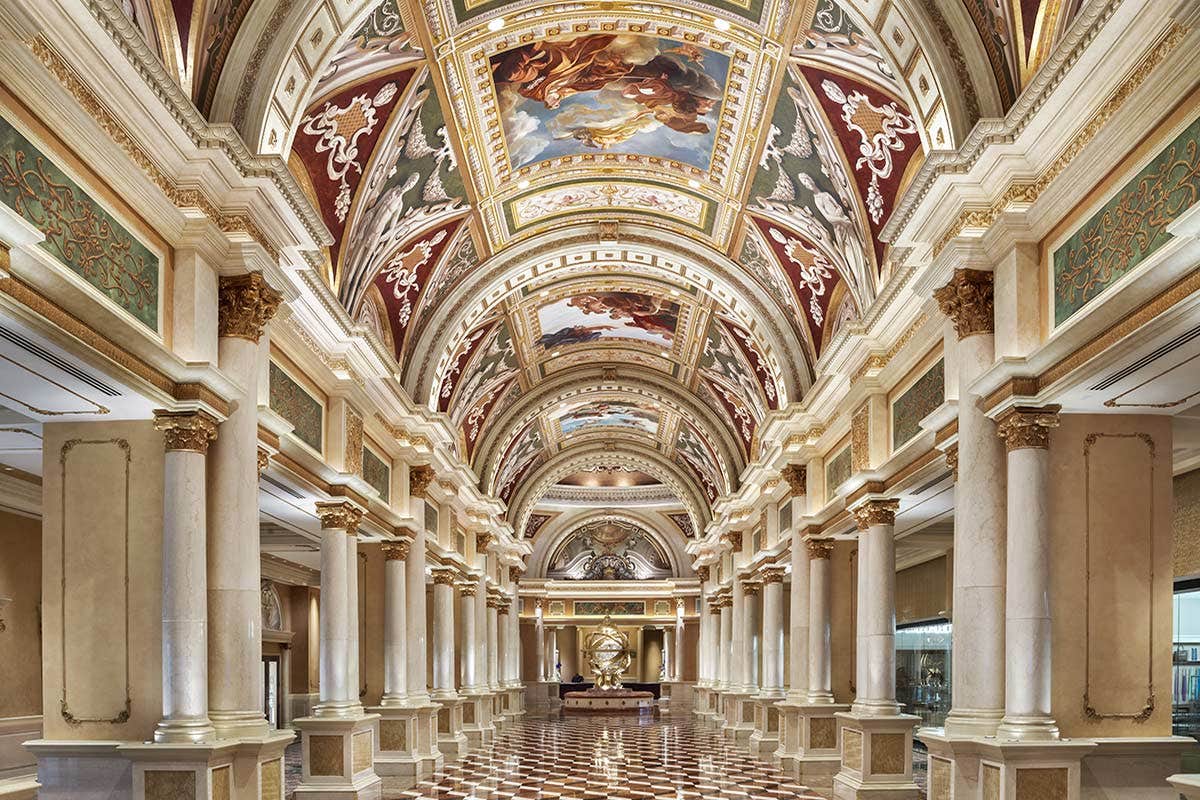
x,y
494,645
395,625
1026,434
514,641
772,632
800,602
752,641
338,697
725,624
539,644
552,654
416,624
738,657
820,671
469,680
353,678
443,635
877,616
186,435
978,663
668,653
235,697
677,653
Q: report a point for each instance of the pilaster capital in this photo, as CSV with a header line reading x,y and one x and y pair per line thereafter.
x,y
1025,427
245,303
420,477
483,541
733,539
967,301
876,512
796,476
702,572
264,459
819,548
514,574
396,551
444,577
339,515
186,430
952,460
750,587
466,589
771,574
502,607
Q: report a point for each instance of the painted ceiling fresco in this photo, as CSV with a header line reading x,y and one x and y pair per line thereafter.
x,y
731,164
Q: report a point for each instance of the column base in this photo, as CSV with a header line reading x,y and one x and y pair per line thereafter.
x,y
679,697
717,719
407,741
339,758
876,757
19,788
738,716
207,767
542,697
477,718
1027,729
451,740
963,723
808,743
703,704
764,740
514,702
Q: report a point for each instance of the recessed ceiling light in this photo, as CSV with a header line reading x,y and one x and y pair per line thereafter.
x,y
695,184
522,184
498,23
719,24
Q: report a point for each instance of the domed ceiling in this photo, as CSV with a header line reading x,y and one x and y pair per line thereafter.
x,y
604,237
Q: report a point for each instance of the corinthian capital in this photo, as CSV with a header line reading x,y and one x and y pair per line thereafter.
x,y
1024,427
876,512
967,301
339,515
395,551
186,430
419,479
245,303
796,476
819,548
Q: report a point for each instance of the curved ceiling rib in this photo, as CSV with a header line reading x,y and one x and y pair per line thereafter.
x,y
602,233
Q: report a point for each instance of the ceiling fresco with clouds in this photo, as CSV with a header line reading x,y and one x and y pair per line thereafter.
x,y
600,227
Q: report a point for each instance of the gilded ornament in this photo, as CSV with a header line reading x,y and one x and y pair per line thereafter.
x,y
771,575
395,551
1023,427
483,541
264,459
967,301
860,431
876,512
796,476
503,607
339,515
246,303
186,430
466,589
733,539
354,442
443,577
419,479
514,574
750,588
819,548
702,573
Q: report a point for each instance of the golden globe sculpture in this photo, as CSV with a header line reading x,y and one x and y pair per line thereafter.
x,y
608,654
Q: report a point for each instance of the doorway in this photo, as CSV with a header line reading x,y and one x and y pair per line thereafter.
x,y
272,691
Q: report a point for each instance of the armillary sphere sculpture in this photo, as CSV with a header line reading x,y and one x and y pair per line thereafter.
x,y
609,654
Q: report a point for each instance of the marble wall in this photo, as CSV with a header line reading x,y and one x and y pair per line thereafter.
x,y
1185,525
20,641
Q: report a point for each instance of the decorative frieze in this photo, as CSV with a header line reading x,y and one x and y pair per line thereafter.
x,y
186,430
967,301
876,512
245,304
339,515
1025,427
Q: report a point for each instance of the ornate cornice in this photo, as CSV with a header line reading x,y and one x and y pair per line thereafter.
x,y
967,301
245,304
420,478
186,430
796,476
339,515
876,512
819,548
395,551
1025,427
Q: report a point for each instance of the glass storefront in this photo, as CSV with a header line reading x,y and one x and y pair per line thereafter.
x,y
1185,671
923,670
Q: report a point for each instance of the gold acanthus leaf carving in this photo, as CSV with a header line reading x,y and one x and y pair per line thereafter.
x,y
246,304
876,512
443,577
702,573
771,575
1023,427
419,480
483,541
796,476
339,515
186,430
967,301
819,548
395,551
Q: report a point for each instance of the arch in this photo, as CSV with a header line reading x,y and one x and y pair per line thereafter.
x,y
564,525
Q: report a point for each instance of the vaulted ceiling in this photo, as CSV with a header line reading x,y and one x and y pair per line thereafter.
x,y
604,237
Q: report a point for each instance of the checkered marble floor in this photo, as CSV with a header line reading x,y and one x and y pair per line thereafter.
x,y
594,758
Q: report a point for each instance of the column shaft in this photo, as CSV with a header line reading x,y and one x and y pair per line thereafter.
x,y
466,657
353,678
335,692
416,626
799,621
443,636
725,679
820,679
668,653
494,646
772,633
877,614
539,646
395,625
738,657
552,653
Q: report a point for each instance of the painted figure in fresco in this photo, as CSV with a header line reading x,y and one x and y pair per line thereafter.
x,y
574,334
633,84
651,314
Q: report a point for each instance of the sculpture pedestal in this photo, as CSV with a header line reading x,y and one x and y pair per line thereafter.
x,y
610,701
